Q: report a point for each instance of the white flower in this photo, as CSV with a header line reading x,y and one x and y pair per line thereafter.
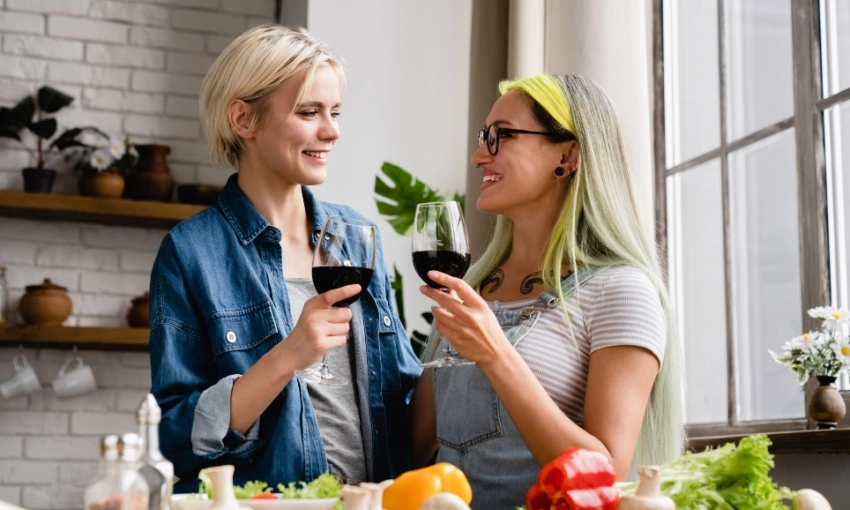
x,y
116,148
99,160
842,350
133,152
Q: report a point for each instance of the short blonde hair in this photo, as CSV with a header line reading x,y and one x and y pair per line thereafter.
x,y
250,69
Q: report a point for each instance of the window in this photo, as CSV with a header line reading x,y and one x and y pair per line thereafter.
x,y
754,209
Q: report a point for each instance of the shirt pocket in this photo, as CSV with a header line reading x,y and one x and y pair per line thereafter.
x,y
241,330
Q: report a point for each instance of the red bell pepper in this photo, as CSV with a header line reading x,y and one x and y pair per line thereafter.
x,y
576,468
599,498
578,479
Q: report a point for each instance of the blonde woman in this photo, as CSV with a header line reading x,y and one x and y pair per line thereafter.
x,y
233,310
565,314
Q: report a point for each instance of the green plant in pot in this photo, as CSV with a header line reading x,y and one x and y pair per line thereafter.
x,y
30,114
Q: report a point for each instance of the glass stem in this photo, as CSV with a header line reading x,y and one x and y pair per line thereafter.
x,y
325,368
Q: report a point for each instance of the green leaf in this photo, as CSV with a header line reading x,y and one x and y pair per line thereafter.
x,y
51,100
43,128
398,202
23,112
6,132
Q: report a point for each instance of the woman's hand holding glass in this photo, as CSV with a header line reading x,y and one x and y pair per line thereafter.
x,y
465,320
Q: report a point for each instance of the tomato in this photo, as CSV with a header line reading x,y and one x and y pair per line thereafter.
x,y
265,495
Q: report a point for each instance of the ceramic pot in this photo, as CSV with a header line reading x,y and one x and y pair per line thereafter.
x,y
108,184
45,304
151,179
38,180
139,314
826,406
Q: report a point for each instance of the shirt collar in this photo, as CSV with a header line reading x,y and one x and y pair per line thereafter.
x,y
248,223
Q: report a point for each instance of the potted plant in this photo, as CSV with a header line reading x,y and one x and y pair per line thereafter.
x,y
103,162
29,114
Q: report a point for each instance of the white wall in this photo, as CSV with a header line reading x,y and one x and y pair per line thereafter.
x,y
407,104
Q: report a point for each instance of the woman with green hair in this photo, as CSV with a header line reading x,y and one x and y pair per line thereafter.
x,y
565,315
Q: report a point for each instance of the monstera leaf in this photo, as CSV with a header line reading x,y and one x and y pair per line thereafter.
x,y
398,202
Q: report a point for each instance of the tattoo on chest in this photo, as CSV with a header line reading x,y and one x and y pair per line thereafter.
x,y
530,281
494,279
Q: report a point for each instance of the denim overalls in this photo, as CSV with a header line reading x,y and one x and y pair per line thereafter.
x,y
475,432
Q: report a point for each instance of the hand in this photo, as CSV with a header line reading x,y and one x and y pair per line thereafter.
x,y
464,318
320,327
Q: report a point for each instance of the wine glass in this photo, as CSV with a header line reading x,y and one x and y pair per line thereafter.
x,y
344,255
440,243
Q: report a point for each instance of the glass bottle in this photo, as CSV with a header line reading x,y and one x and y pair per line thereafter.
x,y
157,471
121,487
4,295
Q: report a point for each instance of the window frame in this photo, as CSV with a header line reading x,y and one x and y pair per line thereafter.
x,y
808,124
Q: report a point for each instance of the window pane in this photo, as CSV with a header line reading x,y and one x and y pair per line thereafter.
x,y
692,85
760,86
835,45
837,135
695,255
766,274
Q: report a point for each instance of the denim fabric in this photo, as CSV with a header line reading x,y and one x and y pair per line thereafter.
x,y
218,303
474,430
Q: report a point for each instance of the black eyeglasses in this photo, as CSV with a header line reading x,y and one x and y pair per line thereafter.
x,y
492,134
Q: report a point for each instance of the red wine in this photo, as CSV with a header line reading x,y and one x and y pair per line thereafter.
x,y
326,278
445,261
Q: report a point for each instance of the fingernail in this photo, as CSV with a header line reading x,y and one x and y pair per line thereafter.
x,y
422,288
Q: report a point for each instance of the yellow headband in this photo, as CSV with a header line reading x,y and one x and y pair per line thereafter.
x,y
544,89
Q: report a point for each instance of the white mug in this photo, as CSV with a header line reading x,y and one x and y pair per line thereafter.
x,y
23,382
76,381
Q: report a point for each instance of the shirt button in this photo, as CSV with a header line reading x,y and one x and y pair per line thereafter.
x,y
231,336
387,320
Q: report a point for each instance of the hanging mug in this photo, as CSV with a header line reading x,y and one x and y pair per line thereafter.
x,y
24,380
72,382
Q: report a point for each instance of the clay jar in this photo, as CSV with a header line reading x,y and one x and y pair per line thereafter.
x,y
139,314
107,184
45,305
151,179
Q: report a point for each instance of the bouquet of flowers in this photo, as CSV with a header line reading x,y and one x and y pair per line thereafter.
x,y
91,150
824,352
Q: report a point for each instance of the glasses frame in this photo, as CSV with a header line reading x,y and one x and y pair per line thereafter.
x,y
493,132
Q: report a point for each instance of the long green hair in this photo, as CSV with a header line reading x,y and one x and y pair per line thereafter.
x,y
599,225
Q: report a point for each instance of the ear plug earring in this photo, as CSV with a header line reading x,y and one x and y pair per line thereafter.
x,y
559,172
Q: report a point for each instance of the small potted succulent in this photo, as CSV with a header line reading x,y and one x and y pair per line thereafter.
x,y
103,162
30,114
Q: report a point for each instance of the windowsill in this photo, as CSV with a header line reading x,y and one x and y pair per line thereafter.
x,y
799,441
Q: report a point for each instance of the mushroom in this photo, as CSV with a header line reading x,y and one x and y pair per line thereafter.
x,y
809,499
648,496
355,498
444,501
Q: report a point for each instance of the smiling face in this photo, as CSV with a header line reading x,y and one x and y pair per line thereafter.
x,y
293,141
520,178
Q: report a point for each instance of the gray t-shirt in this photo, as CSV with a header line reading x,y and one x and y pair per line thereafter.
x,y
336,407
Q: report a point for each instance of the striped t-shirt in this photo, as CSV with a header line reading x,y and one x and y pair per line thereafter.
x,y
619,305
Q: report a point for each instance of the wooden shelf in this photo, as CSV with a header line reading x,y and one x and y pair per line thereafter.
x,y
801,441
106,211
61,336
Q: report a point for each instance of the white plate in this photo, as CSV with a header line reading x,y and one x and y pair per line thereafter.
x,y
289,504
185,502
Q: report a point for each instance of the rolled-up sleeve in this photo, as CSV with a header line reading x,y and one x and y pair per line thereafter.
x,y
211,433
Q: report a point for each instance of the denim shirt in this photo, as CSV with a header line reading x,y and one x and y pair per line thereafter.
x,y
218,303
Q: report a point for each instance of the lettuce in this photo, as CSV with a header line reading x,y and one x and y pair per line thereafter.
x,y
726,478
325,486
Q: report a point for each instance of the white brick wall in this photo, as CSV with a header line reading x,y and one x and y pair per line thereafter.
x,y
134,68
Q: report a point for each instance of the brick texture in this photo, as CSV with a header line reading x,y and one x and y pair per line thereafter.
x,y
135,69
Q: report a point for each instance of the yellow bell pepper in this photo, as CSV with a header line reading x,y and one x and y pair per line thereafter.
x,y
411,489
453,479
